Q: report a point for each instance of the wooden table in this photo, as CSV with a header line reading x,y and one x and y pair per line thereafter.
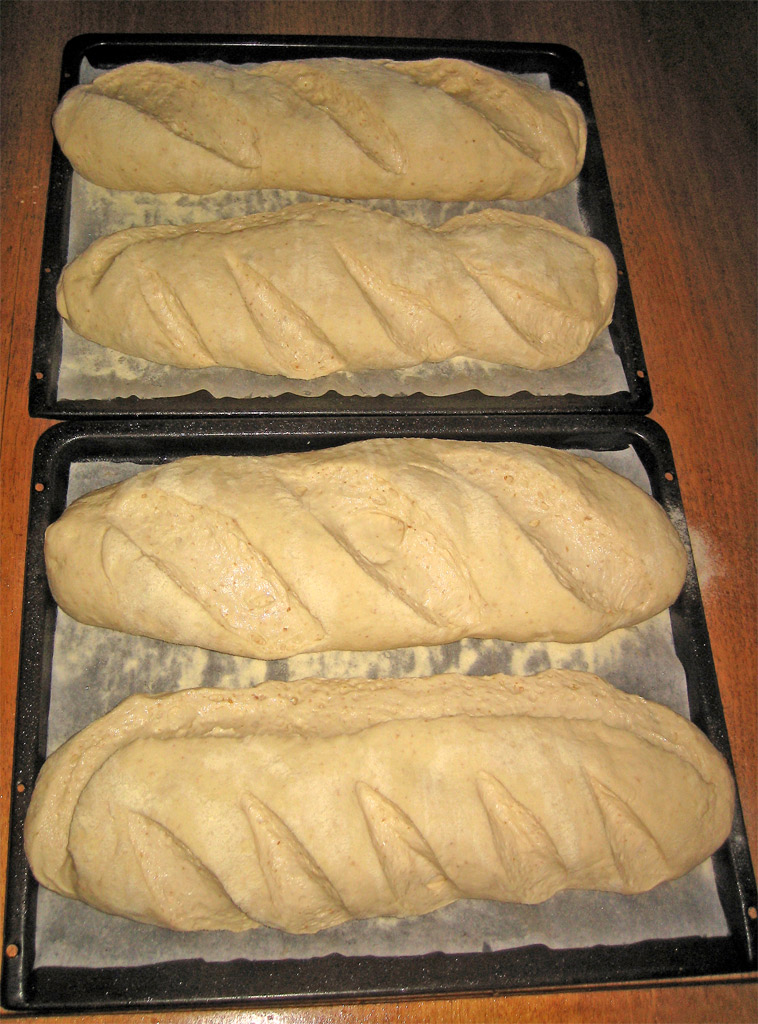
x,y
673,86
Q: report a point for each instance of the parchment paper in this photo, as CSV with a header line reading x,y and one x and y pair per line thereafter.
x,y
90,371
93,669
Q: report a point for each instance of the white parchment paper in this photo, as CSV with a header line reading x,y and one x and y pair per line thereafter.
x,y
90,371
93,669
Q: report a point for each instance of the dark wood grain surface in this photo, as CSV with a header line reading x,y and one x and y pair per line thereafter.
x,y
673,86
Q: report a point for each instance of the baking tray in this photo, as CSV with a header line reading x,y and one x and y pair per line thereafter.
x,y
566,73
197,982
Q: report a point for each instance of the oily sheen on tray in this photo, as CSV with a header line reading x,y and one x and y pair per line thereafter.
x,y
302,805
440,129
378,544
318,288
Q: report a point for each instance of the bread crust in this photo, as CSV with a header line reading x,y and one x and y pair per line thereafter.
x,y
303,805
440,129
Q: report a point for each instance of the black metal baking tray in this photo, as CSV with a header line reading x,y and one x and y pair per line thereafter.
x,y
196,982
566,71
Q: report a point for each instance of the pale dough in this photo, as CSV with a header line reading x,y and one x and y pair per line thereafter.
x,y
303,805
375,545
322,287
440,129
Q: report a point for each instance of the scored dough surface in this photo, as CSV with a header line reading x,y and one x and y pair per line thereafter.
x,y
440,129
375,545
302,805
318,288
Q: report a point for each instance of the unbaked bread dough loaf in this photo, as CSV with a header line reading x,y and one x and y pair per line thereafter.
x,y
431,129
323,287
375,545
303,805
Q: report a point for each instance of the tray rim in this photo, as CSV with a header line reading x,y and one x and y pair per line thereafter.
x,y
597,206
354,978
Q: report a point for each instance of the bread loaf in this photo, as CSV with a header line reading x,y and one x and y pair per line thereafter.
x,y
303,805
375,545
431,129
323,287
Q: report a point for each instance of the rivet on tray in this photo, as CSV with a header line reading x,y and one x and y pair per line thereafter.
x,y
11,950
